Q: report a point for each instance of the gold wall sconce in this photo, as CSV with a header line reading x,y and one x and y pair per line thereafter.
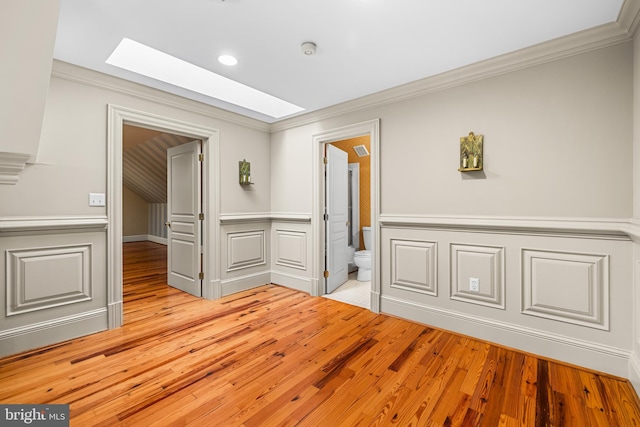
x,y
245,172
471,158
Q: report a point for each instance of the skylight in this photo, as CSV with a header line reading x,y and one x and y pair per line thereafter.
x,y
141,59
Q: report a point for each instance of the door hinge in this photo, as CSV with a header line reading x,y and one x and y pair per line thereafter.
x,y
201,275
325,160
326,274
326,217
201,217
201,157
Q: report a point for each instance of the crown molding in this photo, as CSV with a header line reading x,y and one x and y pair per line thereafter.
x,y
77,74
629,17
11,164
563,47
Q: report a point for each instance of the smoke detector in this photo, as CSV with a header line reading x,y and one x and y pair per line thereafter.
x,y
308,48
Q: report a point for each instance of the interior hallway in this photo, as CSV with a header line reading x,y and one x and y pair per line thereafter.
x,y
275,356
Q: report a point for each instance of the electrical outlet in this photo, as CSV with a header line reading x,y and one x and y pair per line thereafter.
x,y
96,199
474,284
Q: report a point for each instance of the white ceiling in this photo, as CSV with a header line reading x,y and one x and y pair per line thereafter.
x,y
364,46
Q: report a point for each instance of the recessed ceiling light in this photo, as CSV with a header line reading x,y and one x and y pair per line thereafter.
x,y
227,60
141,59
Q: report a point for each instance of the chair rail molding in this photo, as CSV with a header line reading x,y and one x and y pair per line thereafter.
x,y
600,228
51,223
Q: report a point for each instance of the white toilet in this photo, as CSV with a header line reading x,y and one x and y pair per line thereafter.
x,y
362,259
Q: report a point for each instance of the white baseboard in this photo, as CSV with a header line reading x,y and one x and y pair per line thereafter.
x,y
290,281
590,355
243,283
144,238
41,334
139,238
156,239
634,372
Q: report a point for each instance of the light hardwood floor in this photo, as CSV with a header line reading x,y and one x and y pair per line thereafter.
x,y
275,356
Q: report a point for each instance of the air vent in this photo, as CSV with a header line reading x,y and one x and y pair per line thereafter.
x,y
361,150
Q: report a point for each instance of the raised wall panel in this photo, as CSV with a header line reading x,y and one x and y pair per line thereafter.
x,y
485,263
246,249
42,278
570,287
291,249
414,266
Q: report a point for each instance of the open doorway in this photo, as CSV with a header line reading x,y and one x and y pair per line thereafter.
x,y
350,136
118,118
161,170
348,205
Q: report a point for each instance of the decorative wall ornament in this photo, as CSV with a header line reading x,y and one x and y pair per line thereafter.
x,y
245,172
471,158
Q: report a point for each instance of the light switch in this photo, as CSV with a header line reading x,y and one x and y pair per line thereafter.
x,y
96,199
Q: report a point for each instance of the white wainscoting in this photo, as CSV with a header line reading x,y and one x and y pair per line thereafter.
x,y
291,249
485,263
246,249
244,255
414,266
570,287
54,280
557,288
29,274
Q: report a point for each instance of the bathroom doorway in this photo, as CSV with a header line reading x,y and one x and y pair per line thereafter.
x,y
348,259
320,140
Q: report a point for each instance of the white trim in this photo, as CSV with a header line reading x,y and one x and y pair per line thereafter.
x,y
591,355
52,331
145,238
299,283
601,228
244,217
117,117
553,50
56,223
11,164
629,17
290,217
84,76
371,128
238,218
156,239
634,372
138,238
243,283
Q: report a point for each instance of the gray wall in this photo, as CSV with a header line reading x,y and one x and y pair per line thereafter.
x,y
541,226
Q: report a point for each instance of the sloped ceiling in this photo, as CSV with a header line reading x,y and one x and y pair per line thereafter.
x,y
144,161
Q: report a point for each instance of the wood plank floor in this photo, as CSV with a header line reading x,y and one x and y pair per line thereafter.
x,y
274,356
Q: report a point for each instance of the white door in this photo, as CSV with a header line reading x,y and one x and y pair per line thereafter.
x,y
184,229
337,205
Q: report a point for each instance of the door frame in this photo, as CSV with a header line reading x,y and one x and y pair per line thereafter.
x,y
117,117
371,128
